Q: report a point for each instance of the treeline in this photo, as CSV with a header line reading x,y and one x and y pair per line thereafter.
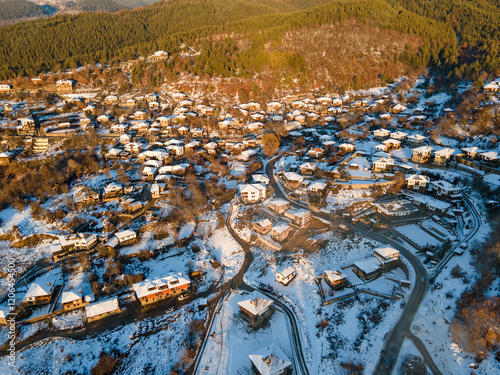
x,y
459,37
12,9
101,6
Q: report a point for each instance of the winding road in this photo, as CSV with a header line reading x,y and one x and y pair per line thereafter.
x,y
402,329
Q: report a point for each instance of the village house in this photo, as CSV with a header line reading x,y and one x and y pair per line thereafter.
x,y
5,158
433,205
299,217
262,226
102,309
40,145
347,147
158,189
421,154
274,106
489,158
293,179
392,144
178,169
383,165
78,241
110,99
252,193
5,87
260,178
39,294
442,156
270,360
308,168
77,292
151,291
416,140
387,256
471,152
491,87
279,206
284,277
316,152
256,308
85,195
336,279
381,134
399,136
367,269
446,190
417,182
149,173
130,205
280,232
317,189
65,84
113,190
126,237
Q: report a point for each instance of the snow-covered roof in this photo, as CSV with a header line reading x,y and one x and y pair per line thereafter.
x,y
278,202
423,149
386,251
298,213
249,188
37,290
255,305
264,223
445,152
417,177
335,275
317,186
260,178
292,176
148,287
368,266
101,307
76,288
280,228
270,360
126,234
287,272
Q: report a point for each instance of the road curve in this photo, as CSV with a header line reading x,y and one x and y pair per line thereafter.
x,y
396,337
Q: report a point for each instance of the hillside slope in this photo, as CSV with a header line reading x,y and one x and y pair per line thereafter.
x,y
15,9
447,43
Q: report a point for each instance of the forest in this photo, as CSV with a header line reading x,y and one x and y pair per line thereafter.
x,y
19,9
446,38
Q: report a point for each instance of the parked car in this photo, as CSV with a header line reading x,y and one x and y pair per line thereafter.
x,y
403,304
183,296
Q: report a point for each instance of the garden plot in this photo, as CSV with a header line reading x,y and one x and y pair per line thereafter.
x,y
70,320
232,339
346,197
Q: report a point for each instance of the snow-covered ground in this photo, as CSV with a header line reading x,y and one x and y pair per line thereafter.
x,y
431,323
232,339
227,251
321,350
151,346
70,320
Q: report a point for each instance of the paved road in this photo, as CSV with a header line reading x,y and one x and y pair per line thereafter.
x,y
237,282
396,337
